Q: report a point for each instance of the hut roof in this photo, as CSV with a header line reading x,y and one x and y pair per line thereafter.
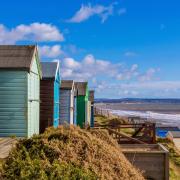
x,y
17,56
175,134
67,84
91,95
81,88
49,69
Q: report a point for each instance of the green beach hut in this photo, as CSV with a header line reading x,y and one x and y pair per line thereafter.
x,y
81,101
20,75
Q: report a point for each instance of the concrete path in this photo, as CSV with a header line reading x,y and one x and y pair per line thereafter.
x,y
6,145
177,142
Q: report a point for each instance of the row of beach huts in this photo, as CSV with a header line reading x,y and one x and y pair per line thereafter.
x,y
33,96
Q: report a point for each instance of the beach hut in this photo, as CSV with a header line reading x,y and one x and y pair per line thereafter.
x,y
49,93
81,101
20,75
67,102
91,99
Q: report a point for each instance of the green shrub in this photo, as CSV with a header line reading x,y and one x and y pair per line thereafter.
x,y
68,153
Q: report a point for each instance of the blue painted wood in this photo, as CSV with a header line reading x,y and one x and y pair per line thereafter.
x,y
56,101
13,103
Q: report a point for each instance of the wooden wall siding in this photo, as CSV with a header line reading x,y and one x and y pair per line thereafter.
x,y
81,111
75,111
88,113
56,102
151,159
13,103
47,104
65,97
72,107
92,115
33,99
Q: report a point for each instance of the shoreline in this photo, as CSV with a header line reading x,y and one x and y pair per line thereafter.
x,y
155,117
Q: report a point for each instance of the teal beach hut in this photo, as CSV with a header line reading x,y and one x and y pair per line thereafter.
x,y
49,93
20,75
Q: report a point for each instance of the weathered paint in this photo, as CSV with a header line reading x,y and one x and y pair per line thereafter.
x,y
19,102
13,103
65,106
67,102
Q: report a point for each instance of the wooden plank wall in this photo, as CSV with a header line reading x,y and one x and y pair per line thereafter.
x,y
13,103
47,104
65,97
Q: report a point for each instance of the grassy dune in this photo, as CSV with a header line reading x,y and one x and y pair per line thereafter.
x,y
68,153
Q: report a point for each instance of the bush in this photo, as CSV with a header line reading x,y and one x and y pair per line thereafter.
x,y
68,153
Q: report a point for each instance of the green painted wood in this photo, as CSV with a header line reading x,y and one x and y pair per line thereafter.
x,y
81,109
13,103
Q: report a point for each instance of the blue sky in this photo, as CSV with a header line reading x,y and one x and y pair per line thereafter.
x,y
124,48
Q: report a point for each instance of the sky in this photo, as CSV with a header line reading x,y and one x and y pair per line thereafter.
x,y
123,48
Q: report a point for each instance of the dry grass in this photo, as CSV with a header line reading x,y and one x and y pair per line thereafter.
x,y
111,121
69,152
174,157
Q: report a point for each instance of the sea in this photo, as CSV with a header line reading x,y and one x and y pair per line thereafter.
x,y
164,112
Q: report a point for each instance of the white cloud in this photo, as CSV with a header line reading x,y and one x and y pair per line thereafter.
x,y
122,11
148,89
153,85
90,68
50,51
37,32
87,11
148,75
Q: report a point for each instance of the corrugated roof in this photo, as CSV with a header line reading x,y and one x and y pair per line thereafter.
x,y
49,69
175,134
81,88
91,95
67,84
16,56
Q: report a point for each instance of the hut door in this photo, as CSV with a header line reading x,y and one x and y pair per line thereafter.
x,y
33,104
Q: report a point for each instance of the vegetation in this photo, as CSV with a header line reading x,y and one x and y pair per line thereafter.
x,y
174,157
112,121
174,154
68,153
